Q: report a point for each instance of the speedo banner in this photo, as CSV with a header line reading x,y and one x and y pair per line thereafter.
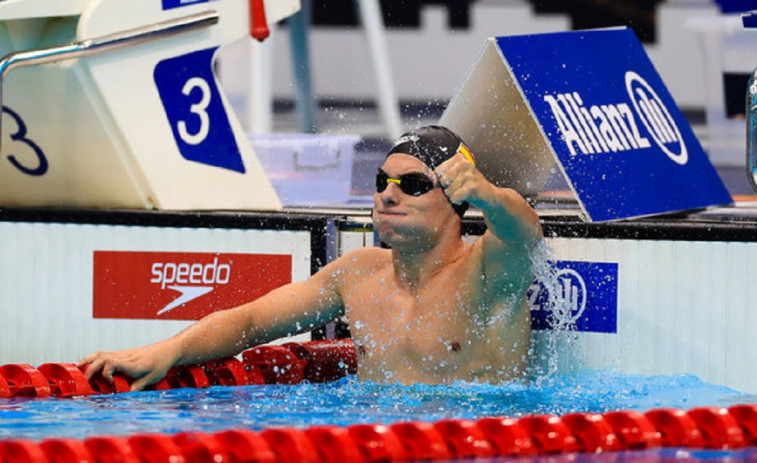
x,y
624,146
181,285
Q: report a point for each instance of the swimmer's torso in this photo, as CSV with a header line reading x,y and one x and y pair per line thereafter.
x,y
454,328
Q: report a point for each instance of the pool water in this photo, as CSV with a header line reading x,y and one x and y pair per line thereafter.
x,y
349,401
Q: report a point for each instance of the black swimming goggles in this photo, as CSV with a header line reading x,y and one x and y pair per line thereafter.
x,y
413,184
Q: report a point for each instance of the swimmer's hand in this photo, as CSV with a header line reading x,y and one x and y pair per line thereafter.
x,y
146,365
508,215
462,182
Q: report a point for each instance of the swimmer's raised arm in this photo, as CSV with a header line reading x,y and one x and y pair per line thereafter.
x,y
508,215
290,309
512,224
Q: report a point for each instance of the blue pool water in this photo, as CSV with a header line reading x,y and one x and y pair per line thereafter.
x,y
349,401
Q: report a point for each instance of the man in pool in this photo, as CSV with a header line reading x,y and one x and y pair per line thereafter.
x,y
430,309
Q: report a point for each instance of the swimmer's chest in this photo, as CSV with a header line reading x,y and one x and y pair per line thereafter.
x,y
436,319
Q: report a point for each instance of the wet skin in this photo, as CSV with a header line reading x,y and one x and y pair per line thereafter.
x,y
430,309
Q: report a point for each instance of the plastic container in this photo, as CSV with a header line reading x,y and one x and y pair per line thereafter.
x,y
307,169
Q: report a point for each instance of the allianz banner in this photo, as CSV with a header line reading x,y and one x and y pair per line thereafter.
x,y
605,118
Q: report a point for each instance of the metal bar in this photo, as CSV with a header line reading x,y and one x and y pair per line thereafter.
x,y
749,21
103,44
751,130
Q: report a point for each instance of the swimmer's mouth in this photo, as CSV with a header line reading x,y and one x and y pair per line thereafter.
x,y
391,213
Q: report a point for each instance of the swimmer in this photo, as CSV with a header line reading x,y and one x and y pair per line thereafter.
x,y
431,308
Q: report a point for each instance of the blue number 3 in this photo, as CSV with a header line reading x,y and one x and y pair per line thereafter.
x,y
20,136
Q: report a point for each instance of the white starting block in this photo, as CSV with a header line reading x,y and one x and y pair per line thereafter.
x,y
113,103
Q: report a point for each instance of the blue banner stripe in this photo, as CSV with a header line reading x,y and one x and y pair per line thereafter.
x,y
582,297
169,4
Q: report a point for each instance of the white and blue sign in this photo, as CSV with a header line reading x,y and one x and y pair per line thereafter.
x,y
196,112
169,4
624,145
583,297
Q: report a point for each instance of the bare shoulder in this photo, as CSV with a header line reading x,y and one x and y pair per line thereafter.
x,y
365,259
344,273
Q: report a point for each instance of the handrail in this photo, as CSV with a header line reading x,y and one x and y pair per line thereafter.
x,y
749,21
751,130
102,44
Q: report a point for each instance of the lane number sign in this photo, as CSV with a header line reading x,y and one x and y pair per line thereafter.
x,y
192,102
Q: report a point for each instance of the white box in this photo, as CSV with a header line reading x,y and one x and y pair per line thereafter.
x,y
307,169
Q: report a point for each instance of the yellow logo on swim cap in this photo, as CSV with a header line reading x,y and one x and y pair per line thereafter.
x,y
462,149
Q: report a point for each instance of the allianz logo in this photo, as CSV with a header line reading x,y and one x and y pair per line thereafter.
x,y
603,128
569,297
191,280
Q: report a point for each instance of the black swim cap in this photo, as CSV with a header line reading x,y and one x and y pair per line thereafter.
x,y
432,144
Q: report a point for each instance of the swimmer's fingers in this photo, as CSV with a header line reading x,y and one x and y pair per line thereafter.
x,y
458,191
453,168
449,169
110,363
453,189
109,367
88,359
461,180
146,380
94,363
105,365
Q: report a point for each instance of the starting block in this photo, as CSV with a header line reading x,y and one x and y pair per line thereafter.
x,y
109,103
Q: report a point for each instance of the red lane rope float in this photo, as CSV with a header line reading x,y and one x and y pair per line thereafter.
x,y
377,442
634,430
5,389
111,449
507,436
405,441
319,361
334,443
746,417
465,438
25,381
422,441
65,379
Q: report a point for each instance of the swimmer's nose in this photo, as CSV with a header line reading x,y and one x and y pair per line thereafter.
x,y
389,195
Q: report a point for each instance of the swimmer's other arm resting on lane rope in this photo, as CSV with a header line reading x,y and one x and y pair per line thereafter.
x,y
296,307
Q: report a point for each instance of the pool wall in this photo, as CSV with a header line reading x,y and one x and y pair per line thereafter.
x,y
676,300
48,276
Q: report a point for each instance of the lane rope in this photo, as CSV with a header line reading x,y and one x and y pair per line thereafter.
x,y
714,428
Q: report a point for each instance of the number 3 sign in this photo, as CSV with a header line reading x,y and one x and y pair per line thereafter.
x,y
194,108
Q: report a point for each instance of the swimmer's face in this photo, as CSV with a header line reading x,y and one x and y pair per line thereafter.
x,y
401,217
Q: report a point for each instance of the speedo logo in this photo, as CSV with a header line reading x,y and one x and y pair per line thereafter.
x,y
157,285
191,280
601,128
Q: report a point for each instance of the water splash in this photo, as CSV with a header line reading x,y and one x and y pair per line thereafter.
x,y
554,352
